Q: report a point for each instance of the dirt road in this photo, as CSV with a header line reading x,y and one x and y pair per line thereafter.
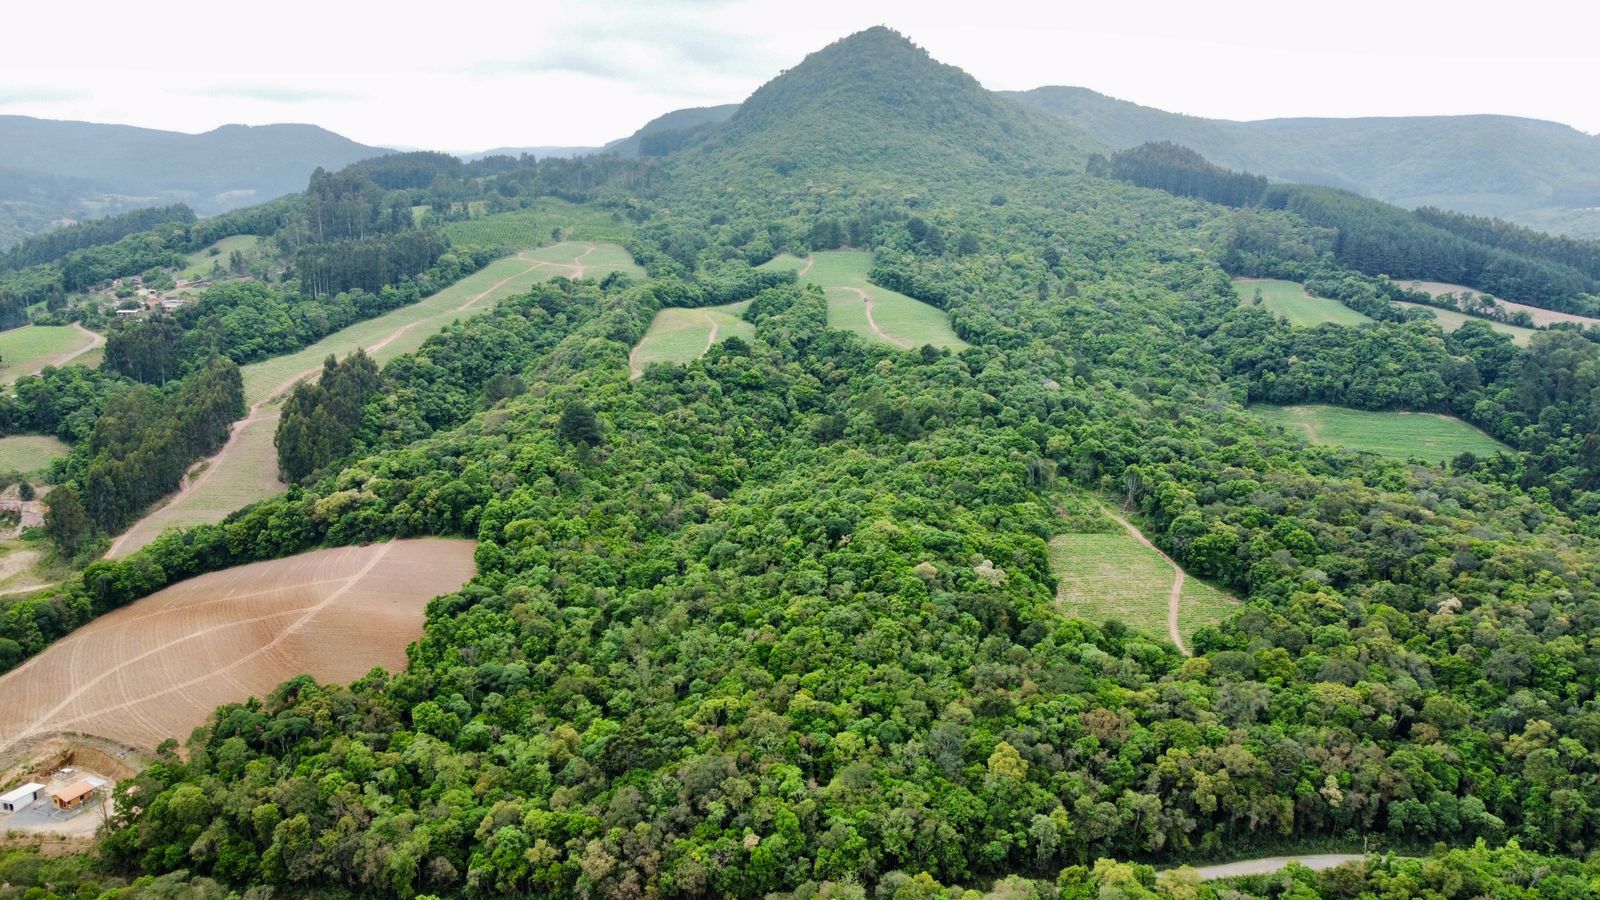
x,y
1175,595
256,430
873,323
1316,862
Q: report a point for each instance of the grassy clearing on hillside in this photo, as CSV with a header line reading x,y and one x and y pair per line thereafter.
x,y
1110,576
247,469
680,336
30,348
536,225
1402,435
1450,320
877,314
201,262
1541,317
1202,605
27,453
1103,573
1290,300
479,291
92,359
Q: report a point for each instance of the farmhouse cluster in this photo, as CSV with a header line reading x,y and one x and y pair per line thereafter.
x,y
54,805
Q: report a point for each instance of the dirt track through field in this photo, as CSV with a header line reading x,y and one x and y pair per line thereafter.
x,y
1175,595
635,370
1316,862
711,339
577,263
256,430
873,323
157,668
95,340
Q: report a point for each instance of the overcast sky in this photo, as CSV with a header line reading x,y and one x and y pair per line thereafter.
x,y
472,75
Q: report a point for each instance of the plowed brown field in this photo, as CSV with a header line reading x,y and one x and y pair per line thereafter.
x,y
158,667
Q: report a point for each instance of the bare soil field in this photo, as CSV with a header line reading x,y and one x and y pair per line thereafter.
x,y
158,668
1541,317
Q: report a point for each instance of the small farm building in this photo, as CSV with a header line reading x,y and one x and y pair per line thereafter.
x,y
73,795
21,798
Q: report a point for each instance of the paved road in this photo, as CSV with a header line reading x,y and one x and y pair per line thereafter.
x,y
1315,862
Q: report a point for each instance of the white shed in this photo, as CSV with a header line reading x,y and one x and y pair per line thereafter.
x,y
21,798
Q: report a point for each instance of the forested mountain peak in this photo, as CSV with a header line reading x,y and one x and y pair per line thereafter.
x,y
874,101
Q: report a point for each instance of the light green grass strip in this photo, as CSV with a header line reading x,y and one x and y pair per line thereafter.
x,y
1402,435
1289,300
29,453
902,322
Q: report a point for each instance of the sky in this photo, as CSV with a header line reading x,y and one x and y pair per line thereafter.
x,y
474,75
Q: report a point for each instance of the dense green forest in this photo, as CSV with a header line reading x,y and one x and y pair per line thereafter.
x,y
1373,237
783,619
58,243
1532,172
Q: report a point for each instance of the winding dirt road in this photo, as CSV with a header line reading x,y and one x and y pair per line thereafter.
x,y
711,339
577,266
96,339
1175,595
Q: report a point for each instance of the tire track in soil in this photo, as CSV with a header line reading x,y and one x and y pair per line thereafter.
x,y
1175,595
306,615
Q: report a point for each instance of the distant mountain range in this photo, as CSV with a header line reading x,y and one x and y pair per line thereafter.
x,y
535,152
1533,172
57,171
657,137
1537,173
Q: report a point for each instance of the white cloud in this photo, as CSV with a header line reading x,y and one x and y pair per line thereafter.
x,y
526,73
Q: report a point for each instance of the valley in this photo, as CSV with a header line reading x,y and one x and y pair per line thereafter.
x,y
999,544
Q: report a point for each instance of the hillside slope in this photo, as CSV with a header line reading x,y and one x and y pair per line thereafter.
x,y
72,170
1537,173
669,132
